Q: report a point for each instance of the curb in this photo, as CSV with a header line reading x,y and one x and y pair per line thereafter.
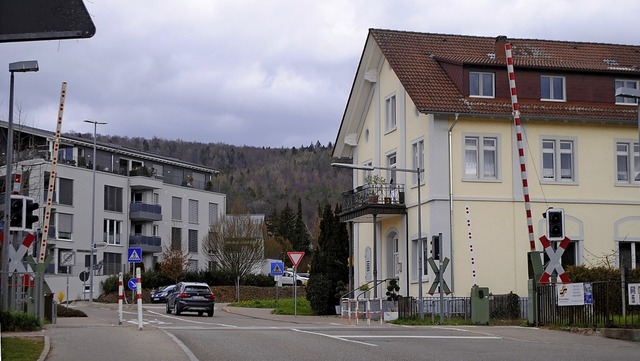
x,y
46,349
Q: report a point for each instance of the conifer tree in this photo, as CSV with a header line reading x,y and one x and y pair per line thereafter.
x,y
329,266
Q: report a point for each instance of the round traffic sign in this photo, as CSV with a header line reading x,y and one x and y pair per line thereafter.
x,y
84,276
133,283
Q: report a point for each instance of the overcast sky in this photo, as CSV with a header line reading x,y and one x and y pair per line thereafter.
x,y
273,73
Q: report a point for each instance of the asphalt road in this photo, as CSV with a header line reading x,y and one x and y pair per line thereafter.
x,y
253,334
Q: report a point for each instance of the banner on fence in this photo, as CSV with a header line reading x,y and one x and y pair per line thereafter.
x,y
574,294
634,297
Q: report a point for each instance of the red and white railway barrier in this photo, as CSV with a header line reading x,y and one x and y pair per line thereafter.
x,y
523,165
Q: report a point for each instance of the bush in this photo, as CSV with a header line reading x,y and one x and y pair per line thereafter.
x,y
18,321
111,283
154,279
320,294
505,307
258,280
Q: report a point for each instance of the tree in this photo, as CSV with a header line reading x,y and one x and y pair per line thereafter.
x,y
301,238
174,264
329,268
236,244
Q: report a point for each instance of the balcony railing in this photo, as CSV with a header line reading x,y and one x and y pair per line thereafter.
x,y
145,212
380,194
146,243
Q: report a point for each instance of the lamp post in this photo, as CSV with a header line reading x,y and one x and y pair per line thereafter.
x,y
17,67
631,93
93,209
416,171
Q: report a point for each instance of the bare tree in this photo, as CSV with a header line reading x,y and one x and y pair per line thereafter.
x,y
236,243
174,264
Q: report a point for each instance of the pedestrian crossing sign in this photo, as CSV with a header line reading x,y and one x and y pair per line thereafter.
x,y
134,255
277,268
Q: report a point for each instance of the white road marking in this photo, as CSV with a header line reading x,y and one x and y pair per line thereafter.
x,y
341,338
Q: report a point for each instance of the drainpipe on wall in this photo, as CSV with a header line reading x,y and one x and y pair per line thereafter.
x,y
455,121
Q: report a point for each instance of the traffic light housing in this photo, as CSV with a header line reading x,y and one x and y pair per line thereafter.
x,y
30,206
22,217
17,212
435,247
555,224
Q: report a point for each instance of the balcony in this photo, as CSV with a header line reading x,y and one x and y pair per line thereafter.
x,y
148,244
382,200
145,212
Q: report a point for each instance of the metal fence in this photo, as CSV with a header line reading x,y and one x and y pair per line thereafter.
x,y
607,306
508,306
25,294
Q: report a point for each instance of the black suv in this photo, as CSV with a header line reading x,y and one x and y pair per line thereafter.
x,y
191,297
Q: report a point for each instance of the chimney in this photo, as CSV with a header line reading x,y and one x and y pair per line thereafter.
x,y
501,56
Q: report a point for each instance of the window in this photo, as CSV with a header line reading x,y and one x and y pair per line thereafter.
x,y
480,157
417,150
633,84
366,173
481,84
176,238
627,162
112,263
391,163
193,241
552,88
415,245
176,208
87,260
557,161
66,191
112,199
213,213
192,265
112,231
193,211
390,106
65,225
629,254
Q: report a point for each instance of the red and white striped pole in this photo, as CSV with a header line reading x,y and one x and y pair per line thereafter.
x,y
139,297
120,298
52,177
523,167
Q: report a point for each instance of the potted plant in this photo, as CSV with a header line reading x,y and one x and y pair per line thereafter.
x,y
364,289
392,296
374,184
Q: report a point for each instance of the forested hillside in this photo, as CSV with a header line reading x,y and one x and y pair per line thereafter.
x,y
260,180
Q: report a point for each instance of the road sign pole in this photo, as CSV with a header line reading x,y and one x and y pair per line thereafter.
x,y
440,280
295,292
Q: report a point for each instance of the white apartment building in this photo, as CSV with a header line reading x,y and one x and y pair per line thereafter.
x,y
142,200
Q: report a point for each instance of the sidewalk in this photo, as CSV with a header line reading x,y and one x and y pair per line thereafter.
x,y
98,337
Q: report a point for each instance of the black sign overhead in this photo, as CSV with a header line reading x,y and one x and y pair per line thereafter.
x,y
30,20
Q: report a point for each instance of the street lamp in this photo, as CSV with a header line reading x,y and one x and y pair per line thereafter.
x,y
93,209
416,171
17,67
631,93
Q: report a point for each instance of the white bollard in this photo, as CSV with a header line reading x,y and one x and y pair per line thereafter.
x,y
120,297
139,291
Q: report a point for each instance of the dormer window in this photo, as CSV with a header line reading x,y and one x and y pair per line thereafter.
x,y
552,88
633,84
481,84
